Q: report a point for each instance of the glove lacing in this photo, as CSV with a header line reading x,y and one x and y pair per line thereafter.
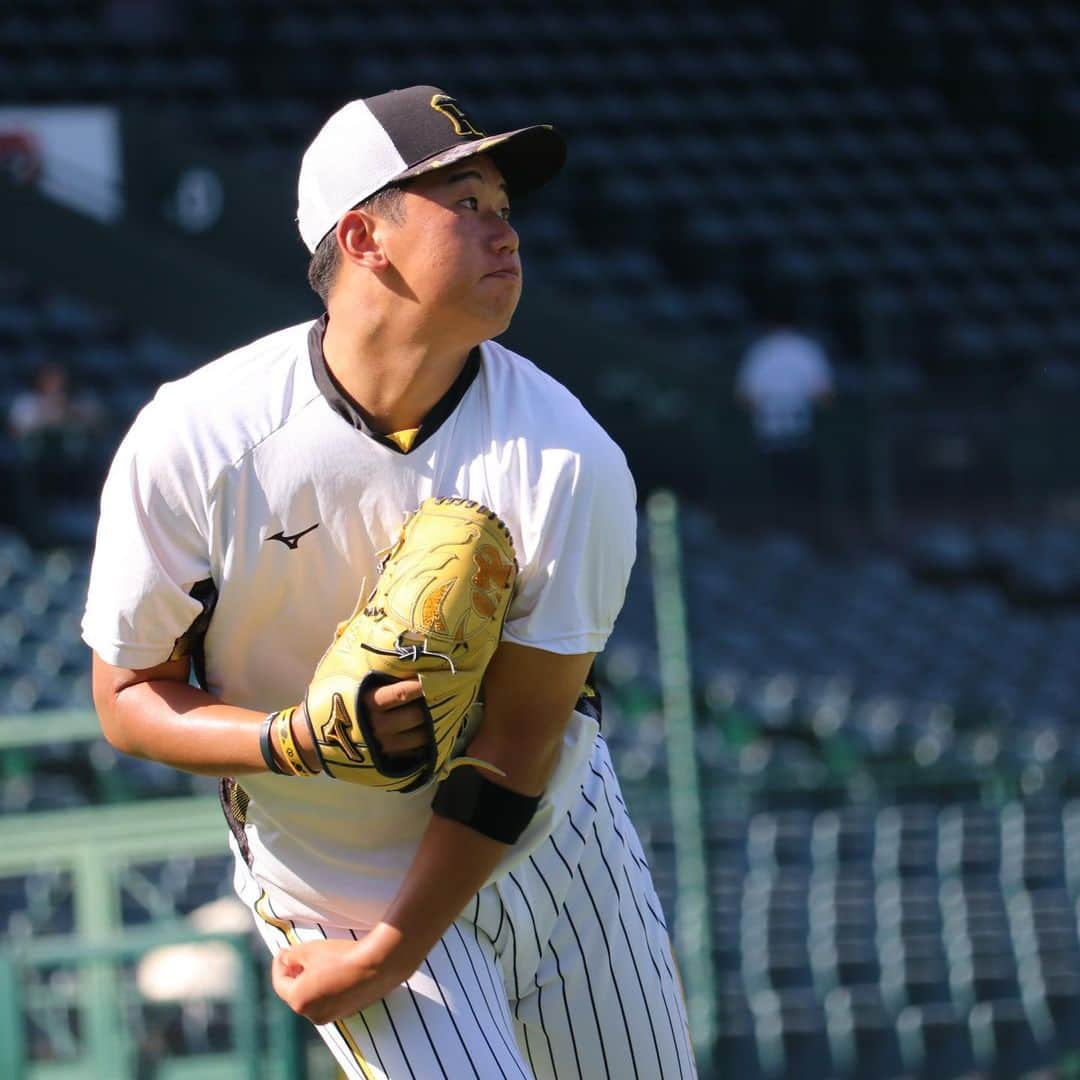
x,y
411,653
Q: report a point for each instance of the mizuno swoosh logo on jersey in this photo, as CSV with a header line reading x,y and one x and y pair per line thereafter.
x,y
292,541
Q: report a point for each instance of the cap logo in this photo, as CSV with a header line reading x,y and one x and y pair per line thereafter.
x,y
453,112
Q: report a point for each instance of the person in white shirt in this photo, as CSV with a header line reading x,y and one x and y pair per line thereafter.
x,y
241,517
783,376
783,380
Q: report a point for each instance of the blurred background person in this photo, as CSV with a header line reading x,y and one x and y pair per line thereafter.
x,y
49,409
783,379
55,432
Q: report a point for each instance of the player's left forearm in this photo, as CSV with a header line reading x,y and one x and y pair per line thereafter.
x,y
451,865
334,978
454,861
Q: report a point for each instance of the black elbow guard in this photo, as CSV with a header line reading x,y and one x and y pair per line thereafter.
x,y
467,796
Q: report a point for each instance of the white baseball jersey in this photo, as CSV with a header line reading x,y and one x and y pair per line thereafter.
x,y
240,521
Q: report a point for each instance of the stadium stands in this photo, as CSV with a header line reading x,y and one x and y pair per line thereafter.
x,y
863,642
885,861
891,886
895,153
119,361
920,946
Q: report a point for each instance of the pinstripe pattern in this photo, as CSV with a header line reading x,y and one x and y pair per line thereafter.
x,y
561,969
647,903
279,932
591,980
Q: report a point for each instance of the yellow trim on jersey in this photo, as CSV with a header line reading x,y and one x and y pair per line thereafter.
x,y
344,1032
262,909
403,439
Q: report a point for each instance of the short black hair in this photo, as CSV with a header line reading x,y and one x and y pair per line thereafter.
x,y
325,260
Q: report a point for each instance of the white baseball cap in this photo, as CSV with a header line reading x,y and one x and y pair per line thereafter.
x,y
372,142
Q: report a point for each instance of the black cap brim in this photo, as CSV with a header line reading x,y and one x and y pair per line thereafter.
x,y
528,157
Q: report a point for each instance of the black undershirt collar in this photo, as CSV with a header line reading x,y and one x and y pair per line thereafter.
x,y
350,411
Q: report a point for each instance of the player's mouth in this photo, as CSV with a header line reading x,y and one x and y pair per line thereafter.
x,y
508,273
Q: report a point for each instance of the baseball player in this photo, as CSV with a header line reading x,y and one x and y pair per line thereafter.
x,y
481,911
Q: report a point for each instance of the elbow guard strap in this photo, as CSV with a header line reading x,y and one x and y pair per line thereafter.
x,y
467,796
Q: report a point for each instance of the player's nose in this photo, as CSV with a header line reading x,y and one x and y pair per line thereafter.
x,y
504,237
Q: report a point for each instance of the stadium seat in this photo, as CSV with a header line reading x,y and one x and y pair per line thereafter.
x,y
736,1051
862,1034
1003,1039
935,1042
792,1034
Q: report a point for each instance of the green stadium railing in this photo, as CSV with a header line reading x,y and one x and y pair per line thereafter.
x,y
693,935
94,845
53,728
108,1050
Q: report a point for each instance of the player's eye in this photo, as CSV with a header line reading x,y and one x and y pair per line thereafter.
x,y
471,202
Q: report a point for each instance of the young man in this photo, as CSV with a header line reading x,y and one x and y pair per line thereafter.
x,y
241,517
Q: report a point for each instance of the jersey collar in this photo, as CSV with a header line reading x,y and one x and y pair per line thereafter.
x,y
350,411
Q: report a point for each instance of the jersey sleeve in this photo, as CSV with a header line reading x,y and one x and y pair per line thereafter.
x,y
580,542
151,548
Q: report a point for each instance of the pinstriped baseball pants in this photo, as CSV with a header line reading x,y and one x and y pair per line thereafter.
x,y
561,969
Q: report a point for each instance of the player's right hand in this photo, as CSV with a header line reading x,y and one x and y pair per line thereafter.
x,y
329,980
397,721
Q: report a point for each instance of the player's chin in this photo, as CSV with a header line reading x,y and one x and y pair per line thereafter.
x,y
498,311
502,325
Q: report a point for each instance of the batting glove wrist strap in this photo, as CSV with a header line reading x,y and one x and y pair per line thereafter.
x,y
267,750
290,752
469,797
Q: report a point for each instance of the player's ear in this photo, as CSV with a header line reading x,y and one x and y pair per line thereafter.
x,y
360,240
